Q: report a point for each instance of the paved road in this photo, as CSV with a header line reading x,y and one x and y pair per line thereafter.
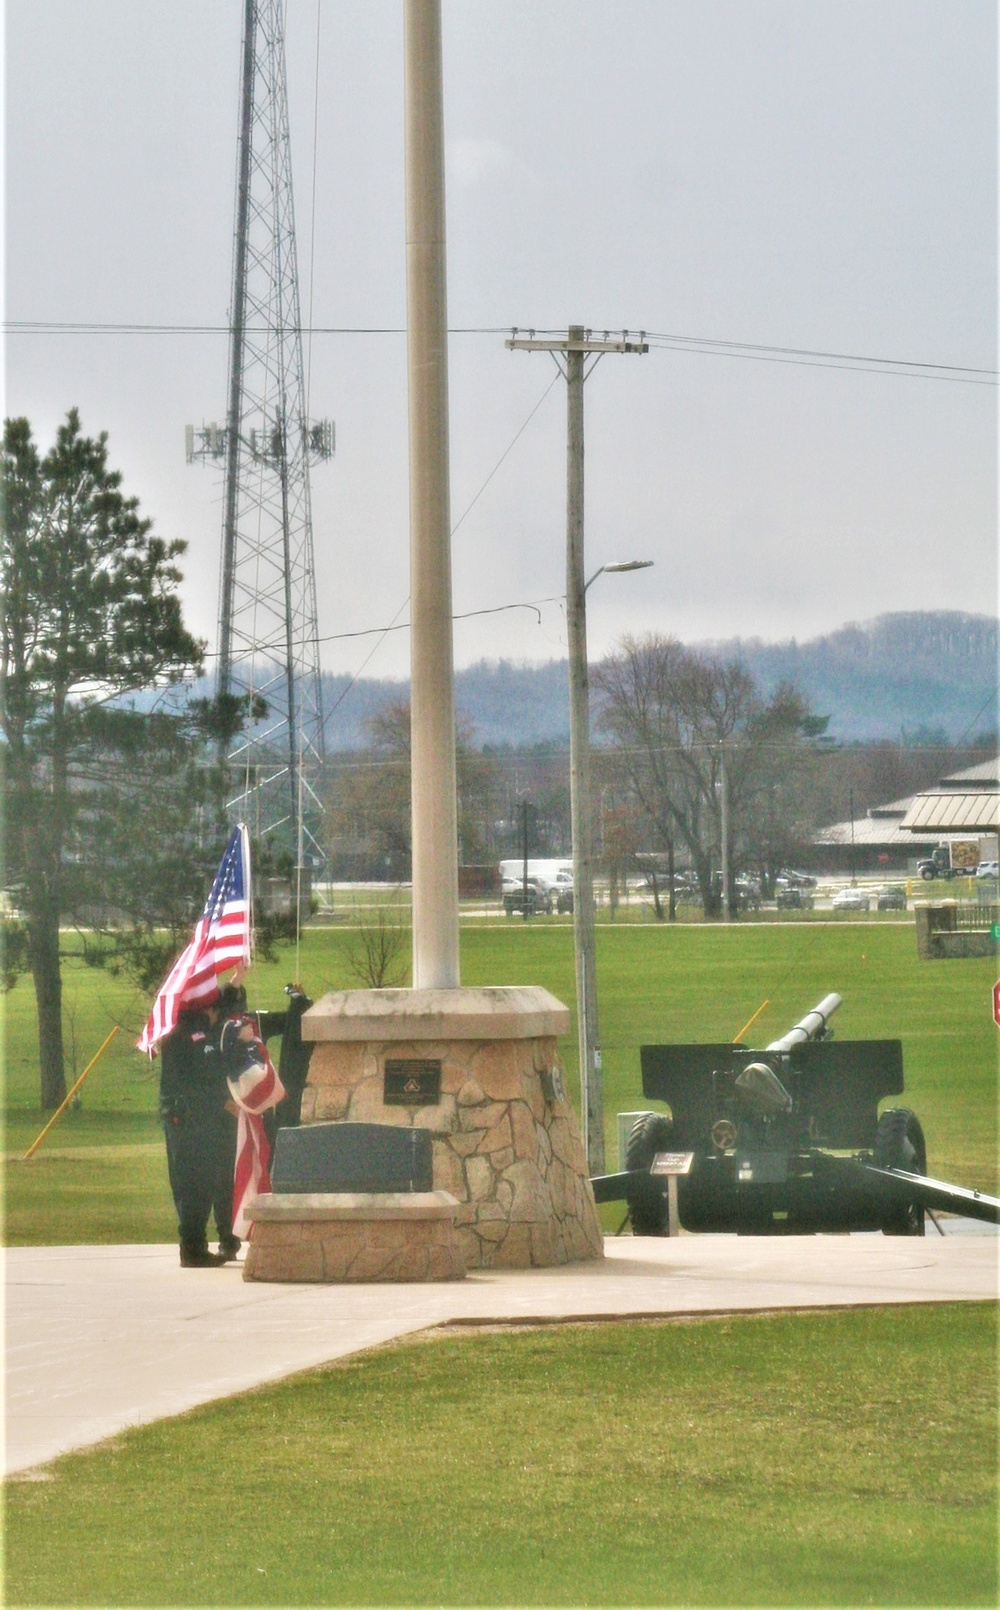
x,y
100,1338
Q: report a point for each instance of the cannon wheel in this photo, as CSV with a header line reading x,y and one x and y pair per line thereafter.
x,y
899,1143
647,1205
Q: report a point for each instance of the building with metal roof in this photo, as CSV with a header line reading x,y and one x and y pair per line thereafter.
x,y
892,837
967,802
945,813
983,777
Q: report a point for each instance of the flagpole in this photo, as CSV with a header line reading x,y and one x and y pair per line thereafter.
x,y
247,888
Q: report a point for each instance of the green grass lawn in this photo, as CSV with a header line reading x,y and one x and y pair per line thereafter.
x,y
839,1459
100,1176
827,1459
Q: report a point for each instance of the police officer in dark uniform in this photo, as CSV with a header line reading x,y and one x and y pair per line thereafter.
x,y
200,1118
200,1132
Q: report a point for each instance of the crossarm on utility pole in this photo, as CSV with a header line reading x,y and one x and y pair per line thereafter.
x,y
585,341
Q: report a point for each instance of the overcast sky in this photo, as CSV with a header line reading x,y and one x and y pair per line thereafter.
x,y
810,174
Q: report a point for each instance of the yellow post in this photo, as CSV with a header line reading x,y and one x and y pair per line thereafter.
x,y
32,1149
751,1023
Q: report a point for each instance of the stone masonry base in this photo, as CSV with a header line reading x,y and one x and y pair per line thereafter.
x,y
355,1237
506,1144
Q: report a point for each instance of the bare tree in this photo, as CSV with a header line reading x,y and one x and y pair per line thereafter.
x,y
369,796
689,727
376,949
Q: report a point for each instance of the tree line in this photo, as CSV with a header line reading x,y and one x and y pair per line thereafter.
x,y
681,738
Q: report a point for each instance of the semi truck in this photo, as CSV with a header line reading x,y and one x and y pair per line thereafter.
x,y
955,858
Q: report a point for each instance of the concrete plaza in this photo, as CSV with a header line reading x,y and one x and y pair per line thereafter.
x,y
102,1338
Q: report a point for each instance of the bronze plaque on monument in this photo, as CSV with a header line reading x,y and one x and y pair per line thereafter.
x,y
411,1084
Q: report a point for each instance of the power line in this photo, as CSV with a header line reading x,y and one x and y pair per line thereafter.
x,y
508,449
906,370
810,352
54,327
705,346
396,625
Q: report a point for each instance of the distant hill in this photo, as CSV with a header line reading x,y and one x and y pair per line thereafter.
x,y
503,703
932,673
929,675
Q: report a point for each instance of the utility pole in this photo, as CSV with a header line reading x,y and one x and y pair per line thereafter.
x,y
268,628
524,860
724,833
854,863
570,354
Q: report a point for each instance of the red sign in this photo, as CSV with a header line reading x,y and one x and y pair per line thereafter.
x,y
996,1003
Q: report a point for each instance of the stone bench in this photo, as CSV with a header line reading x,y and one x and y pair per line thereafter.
x,y
362,1236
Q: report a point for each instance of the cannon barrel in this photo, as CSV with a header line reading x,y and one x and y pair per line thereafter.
x,y
811,1027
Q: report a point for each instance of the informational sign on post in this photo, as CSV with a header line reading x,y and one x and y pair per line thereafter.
x,y
671,1165
667,1164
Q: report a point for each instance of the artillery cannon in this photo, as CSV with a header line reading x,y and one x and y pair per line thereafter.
x,y
784,1140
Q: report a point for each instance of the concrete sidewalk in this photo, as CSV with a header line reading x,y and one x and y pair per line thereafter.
x,y
101,1338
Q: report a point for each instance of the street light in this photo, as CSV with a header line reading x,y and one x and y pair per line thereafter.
x,y
592,1090
617,569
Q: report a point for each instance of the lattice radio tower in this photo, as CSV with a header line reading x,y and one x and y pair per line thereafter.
x,y
268,627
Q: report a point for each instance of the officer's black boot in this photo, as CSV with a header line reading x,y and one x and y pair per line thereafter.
x,y
229,1246
198,1256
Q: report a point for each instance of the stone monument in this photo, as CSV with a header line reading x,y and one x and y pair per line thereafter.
x,y
480,1070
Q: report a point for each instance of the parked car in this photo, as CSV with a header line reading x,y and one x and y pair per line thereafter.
x,y
850,900
547,874
685,894
796,880
793,899
892,898
747,894
988,869
513,899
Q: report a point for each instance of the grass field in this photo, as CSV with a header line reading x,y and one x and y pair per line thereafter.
x,y
823,1459
827,1459
101,1176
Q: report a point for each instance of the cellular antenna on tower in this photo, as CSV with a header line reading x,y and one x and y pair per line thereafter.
x,y
268,627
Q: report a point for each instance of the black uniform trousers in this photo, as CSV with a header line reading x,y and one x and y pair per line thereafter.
x,y
201,1158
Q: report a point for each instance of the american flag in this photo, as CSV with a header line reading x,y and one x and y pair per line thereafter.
x,y
221,941
255,1090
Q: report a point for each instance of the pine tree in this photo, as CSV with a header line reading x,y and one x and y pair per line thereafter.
x,y
90,614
